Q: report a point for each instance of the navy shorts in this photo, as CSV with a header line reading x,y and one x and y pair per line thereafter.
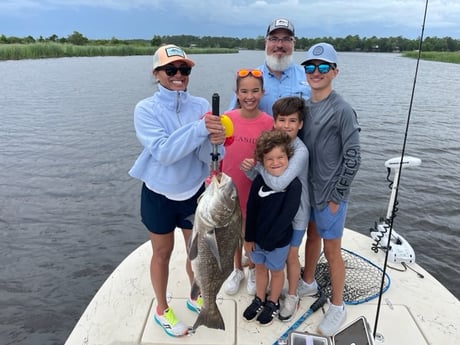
x,y
161,215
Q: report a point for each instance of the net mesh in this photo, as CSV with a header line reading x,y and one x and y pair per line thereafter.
x,y
363,278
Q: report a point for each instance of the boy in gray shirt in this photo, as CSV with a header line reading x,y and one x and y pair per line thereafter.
x,y
331,133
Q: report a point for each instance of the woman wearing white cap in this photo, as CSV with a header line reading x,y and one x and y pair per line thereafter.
x,y
177,133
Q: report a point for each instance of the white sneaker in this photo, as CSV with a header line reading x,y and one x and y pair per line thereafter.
x,y
251,287
333,319
289,307
305,289
171,325
233,282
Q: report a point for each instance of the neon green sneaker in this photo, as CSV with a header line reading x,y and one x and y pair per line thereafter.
x,y
195,305
171,325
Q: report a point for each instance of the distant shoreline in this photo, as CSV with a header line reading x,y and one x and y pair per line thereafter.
x,y
21,51
57,50
450,57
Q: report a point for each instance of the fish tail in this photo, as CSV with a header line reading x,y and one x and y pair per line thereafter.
x,y
211,318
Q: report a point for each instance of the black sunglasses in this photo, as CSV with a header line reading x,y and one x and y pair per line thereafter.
x,y
171,70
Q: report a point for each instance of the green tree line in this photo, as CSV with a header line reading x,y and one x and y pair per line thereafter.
x,y
348,43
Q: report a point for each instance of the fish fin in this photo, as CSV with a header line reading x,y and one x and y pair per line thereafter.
x,y
191,218
195,291
199,198
211,242
193,246
192,240
211,318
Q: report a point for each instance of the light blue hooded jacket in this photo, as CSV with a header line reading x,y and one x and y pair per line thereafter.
x,y
176,158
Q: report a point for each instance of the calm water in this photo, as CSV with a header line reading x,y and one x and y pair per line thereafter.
x,y
69,210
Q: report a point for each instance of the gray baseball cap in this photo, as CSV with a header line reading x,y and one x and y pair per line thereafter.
x,y
280,23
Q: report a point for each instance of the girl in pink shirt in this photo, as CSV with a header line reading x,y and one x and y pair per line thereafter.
x,y
248,123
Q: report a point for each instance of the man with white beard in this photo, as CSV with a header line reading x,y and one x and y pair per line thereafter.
x,y
281,76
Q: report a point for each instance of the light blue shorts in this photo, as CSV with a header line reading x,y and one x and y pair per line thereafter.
x,y
297,237
330,226
274,260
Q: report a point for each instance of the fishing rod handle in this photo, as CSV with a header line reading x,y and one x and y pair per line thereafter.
x,y
314,307
319,302
215,154
215,104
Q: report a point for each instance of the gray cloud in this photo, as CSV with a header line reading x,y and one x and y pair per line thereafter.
x,y
240,18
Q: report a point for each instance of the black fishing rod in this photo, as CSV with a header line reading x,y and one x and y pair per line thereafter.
x,y
215,153
400,170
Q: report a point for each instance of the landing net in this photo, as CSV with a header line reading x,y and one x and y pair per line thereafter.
x,y
362,278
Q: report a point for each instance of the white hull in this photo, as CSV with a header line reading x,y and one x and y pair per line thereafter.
x,y
413,311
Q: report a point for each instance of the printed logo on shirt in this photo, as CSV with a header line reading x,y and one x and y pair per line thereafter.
x,y
264,194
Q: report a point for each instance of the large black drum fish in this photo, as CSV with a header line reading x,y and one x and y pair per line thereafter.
x,y
216,235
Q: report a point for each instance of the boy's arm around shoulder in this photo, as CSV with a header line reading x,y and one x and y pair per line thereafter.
x,y
298,164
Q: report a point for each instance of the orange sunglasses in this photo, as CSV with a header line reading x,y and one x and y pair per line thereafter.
x,y
245,72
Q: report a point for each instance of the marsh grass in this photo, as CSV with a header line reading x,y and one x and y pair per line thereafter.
x,y
56,50
452,57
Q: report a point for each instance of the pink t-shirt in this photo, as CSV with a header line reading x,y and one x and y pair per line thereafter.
x,y
245,133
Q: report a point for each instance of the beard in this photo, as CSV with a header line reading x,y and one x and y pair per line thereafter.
x,y
278,64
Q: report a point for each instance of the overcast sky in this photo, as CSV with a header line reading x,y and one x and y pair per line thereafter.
x,y
126,19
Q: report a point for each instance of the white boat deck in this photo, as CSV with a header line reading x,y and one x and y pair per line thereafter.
x,y
413,311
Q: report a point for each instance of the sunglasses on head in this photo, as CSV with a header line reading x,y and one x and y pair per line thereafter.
x,y
171,70
323,68
245,72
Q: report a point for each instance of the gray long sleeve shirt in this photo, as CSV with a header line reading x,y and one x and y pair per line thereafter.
x,y
331,133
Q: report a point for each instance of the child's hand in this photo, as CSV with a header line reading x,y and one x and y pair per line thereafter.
x,y
248,247
247,164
